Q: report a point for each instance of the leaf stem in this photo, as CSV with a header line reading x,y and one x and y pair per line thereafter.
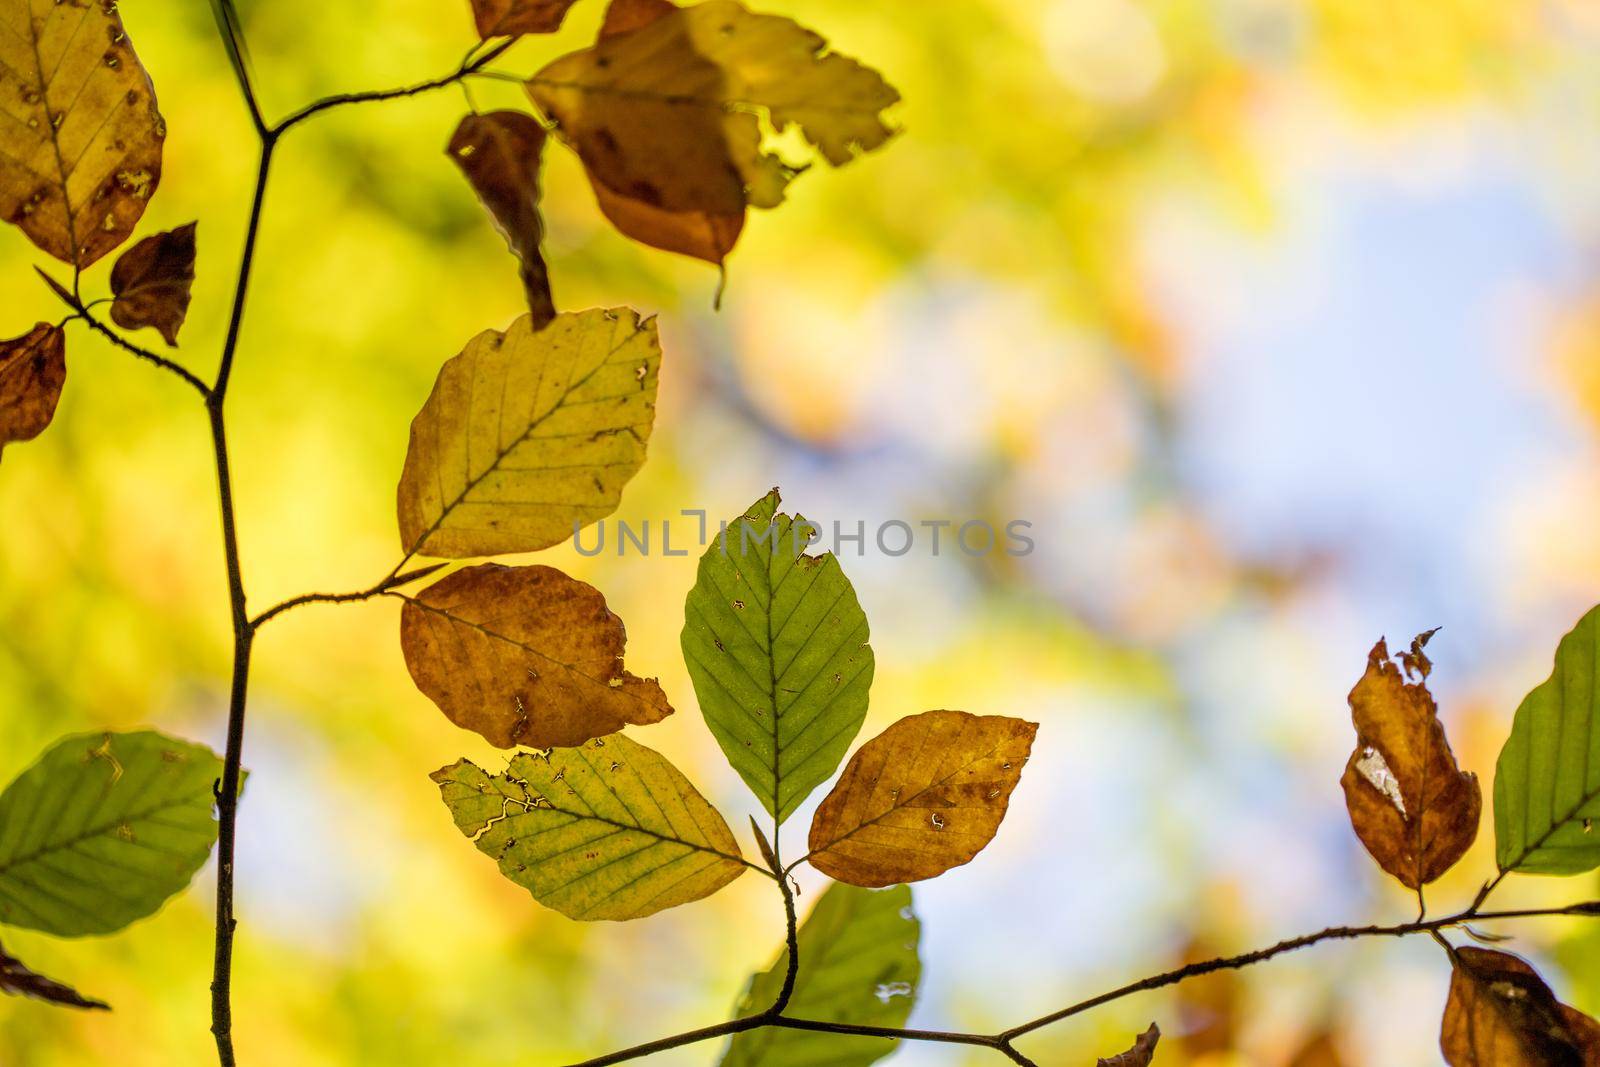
x,y
393,580
80,310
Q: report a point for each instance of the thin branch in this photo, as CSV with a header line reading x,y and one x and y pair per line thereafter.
x,y
392,580
80,310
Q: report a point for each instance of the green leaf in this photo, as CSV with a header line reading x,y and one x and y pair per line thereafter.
x,y
530,434
858,965
607,831
776,644
103,829
1547,785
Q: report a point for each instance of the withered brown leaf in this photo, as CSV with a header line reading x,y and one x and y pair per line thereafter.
x,y
1140,1055
80,152
1502,1014
512,18
500,154
18,979
33,368
151,282
922,797
524,656
1410,804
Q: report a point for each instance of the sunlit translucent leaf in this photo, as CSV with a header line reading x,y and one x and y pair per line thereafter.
x,y
669,113
1501,1014
19,980
500,153
80,148
529,434
1141,1054
858,964
512,18
151,283
925,795
1547,783
103,829
1409,802
610,830
524,656
33,369
776,644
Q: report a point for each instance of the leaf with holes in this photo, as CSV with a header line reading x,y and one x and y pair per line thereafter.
x,y
1547,784
610,830
1409,802
80,154
858,965
33,370
1501,1014
776,645
922,797
524,656
20,980
530,435
103,829
500,153
151,283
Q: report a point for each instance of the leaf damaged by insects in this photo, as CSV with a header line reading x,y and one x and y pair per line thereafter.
x,y
33,371
1502,1014
500,153
926,795
524,656
1410,804
151,282
20,980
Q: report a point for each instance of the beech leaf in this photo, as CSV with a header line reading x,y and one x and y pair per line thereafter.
x,y
151,282
524,656
858,965
776,645
18,979
512,18
500,154
80,152
1141,1054
103,829
1409,802
926,795
610,830
530,435
1501,1014
1547,784
33,369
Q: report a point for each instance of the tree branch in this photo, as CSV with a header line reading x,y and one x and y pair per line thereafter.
x,y
392,580
81,311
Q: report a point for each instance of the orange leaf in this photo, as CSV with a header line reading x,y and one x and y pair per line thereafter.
x,y
500,155
1501,1014
512,18
33,368
151,283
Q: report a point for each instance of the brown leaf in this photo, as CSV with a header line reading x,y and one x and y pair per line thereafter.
x,y
1141,1054
512,18
33,368
17,979
524,656
500,155
1409,802
80,152
625,15
922,797
151,282
1501,1014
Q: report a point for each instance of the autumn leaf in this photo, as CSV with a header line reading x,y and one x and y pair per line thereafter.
x,y
1141,1054
33,369
1318,1050
1409,802
151,282
19,980
512,18
1501,1014
858,965
776,645
667,115
1547,785
610,830
926,795
530,434
524,656
103,829
500,153
82,154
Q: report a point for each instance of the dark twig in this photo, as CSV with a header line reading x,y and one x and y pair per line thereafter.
x,y
80,310
392,580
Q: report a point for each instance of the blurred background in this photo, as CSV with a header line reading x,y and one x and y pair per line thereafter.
x,y
1278,319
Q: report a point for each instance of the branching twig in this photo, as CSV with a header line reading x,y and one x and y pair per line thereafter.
x,y
80,310
392,580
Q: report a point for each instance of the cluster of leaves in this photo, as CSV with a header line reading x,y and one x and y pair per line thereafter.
x,y
1417,813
